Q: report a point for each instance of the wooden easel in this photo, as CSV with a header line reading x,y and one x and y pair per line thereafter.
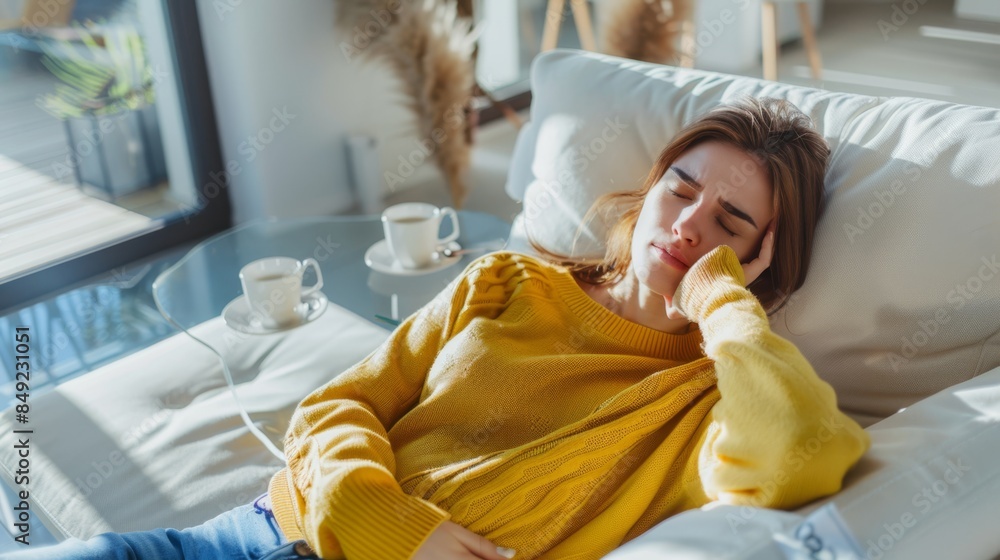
x,y
769,38
581,16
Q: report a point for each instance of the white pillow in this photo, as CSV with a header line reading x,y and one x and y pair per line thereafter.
x,y
914,200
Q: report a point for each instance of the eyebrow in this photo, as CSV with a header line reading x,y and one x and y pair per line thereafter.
x,y
725,203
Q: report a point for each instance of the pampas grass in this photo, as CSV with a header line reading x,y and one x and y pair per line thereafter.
x,y
429,48
646,29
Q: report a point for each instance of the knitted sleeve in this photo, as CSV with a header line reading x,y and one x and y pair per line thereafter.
x,y
777,438
339,455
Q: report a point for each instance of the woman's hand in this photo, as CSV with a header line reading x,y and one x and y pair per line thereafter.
x,y
751,270
756,267
452,541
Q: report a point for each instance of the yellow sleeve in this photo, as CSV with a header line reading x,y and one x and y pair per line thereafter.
x,y
339,456
776,438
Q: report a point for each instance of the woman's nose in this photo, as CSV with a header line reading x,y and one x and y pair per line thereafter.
x,y
685,227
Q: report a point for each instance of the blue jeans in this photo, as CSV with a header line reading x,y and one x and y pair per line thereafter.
x,y
248,531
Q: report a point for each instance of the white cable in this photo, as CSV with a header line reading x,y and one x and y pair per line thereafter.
x,y
229,381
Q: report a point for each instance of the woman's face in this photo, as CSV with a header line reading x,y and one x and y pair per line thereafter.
x,y
713,194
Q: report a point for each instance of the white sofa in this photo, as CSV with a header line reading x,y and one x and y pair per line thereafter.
x,y
154,440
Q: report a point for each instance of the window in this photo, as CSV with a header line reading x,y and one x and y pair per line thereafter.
x,y
109,149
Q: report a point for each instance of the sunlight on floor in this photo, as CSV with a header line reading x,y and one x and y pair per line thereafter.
x,y
43,220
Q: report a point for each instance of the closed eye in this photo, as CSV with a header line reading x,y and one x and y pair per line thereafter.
x,y
722,225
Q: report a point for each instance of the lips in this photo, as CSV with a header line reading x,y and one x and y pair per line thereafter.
x,y
672,256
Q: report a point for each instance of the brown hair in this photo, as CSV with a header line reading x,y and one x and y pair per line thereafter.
x,y
782,140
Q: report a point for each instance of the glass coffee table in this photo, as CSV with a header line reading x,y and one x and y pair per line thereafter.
x,y
200,286
205,283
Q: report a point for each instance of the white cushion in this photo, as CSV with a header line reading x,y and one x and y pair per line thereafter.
x,y
927,489
914,195
155,439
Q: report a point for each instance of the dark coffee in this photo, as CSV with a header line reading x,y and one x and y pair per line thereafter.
x,y
411,220
270,277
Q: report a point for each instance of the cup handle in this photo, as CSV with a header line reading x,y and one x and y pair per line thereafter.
x,y
450,212
319,277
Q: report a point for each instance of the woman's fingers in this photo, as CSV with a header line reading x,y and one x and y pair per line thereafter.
x,y
479,545
451,541
767,250
756,267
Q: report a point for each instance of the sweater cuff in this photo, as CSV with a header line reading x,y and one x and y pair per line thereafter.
x,y
375,520
700,291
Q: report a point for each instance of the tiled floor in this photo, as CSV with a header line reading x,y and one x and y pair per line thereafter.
x,y
43,220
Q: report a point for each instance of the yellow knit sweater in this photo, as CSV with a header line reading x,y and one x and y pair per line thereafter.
x,y
518,407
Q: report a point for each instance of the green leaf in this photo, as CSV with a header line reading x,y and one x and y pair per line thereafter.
x,y
96,79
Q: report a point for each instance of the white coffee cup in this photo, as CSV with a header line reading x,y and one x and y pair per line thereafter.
x,y
411,229
273,288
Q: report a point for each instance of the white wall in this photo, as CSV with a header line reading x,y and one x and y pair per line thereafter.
x,y
266,57
988,10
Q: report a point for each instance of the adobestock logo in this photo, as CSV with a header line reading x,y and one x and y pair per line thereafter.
x,y
425,149
711,29
900,15
581,156
476,436
924,501
250,149
365,34
958,297
586,153
886,198
256,143
794,461
43,14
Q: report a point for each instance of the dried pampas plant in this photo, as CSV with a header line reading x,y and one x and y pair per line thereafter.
x,y
429,48
646,30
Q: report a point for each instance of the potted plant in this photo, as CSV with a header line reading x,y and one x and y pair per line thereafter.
x,y
106,101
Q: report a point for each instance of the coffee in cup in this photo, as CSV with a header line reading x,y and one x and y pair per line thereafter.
x,y
273,289
411,230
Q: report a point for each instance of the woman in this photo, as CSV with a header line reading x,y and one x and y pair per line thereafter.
x,y
549,407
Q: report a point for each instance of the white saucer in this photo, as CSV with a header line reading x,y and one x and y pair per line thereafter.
x,y
378,257
237,314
